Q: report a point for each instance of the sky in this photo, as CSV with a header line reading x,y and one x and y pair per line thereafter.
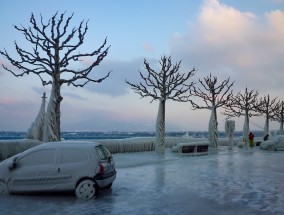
x,y
241,40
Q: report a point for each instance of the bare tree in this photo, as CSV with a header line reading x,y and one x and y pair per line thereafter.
x,y
267,108
163,85
214,95
243,104
53,52
279,115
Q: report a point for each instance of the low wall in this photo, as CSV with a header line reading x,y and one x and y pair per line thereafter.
x,y
9,148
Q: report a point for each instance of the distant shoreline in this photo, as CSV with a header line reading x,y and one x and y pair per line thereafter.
x,y
88,135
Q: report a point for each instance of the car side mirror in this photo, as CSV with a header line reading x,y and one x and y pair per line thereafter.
x,y
12,164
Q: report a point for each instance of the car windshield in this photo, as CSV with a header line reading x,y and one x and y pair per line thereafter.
x,y
103,152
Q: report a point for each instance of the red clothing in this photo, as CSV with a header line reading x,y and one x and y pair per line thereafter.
x,y
251,136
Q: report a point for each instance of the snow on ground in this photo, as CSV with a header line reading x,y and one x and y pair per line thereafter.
x,y
239,181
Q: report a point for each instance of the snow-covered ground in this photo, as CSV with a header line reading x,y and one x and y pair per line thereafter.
x,y
239,181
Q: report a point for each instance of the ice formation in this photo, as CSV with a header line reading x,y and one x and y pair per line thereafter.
x,y
36,129
229,129
140,144
9,148
160,128
213,130
266,127
246,130
50,122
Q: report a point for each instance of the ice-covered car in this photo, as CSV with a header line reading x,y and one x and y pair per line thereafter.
x,y
276,143
83,167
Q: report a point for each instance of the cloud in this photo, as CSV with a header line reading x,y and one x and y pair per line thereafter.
x,y
276,1
115,84
16,104
148,47
230,43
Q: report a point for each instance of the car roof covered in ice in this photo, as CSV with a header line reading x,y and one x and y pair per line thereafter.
x,y
68,144
64,144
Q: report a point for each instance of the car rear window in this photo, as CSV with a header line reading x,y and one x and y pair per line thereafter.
x,y
103,152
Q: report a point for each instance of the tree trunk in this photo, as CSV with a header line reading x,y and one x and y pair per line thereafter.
x,y
281,132
212,129
160,128
52,118
246,129
266,126
229,129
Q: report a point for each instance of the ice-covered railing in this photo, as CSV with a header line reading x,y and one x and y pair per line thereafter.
x,y
138,144
9,148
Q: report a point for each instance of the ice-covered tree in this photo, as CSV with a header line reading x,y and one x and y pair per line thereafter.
x,y
243,104
267,108
36,130
279,115
214,95
163,85
54,51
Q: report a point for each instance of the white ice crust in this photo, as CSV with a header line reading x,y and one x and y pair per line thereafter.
x,y
213,130
36,129
246,130
50,118
229,129
160,129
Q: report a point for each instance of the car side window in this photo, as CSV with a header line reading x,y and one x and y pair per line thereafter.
x,y
40,157
103,152
74,155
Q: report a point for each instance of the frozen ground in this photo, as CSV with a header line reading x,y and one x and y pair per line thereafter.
x,y
241,181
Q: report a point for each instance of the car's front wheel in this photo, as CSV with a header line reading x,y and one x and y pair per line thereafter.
x,y
3,188
270,148
86,189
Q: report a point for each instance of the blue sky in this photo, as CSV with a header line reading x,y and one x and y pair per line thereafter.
x,y
240,39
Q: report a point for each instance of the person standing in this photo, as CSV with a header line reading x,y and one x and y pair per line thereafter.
x,y
251,138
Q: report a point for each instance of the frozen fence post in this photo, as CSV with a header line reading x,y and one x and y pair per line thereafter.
x,y
229,129
36,129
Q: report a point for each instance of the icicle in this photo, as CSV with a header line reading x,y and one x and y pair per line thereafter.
x,y
36,129
160,128
213,130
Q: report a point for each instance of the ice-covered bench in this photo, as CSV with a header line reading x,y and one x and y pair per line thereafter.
x,y
199,147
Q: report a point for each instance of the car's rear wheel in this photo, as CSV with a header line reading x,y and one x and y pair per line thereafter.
x,y
86,189
270,148
3,188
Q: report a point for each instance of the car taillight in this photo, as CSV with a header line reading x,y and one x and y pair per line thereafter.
x,y
101,169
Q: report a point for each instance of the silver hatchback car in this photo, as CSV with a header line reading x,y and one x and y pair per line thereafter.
x,y
276,143
83,167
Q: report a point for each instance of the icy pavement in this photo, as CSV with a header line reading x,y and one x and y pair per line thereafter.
x,y
239,181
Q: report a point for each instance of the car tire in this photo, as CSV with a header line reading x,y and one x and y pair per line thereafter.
x,y
3,188
270,148
86,189
109,186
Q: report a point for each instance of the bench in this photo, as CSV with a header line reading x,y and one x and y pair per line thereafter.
x,y
192,148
